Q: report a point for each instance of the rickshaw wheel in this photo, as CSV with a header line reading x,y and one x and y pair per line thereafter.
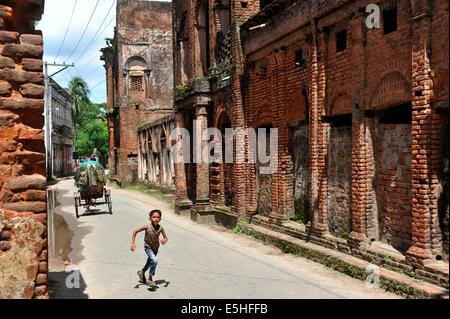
x,y
76,207
108,200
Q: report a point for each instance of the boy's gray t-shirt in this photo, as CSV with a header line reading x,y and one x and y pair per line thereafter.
x,y
151,239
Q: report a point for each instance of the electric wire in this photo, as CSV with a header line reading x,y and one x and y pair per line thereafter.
x,y
68,26
82,35
94,37
95,56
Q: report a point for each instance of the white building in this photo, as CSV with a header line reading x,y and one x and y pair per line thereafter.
x,y
61,140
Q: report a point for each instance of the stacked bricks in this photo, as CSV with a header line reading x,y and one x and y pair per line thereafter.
x,y
23,210
393,158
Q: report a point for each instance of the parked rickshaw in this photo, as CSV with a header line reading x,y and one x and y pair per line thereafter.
x,y
90,180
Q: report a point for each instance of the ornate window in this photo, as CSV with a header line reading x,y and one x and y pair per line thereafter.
x,y
136,84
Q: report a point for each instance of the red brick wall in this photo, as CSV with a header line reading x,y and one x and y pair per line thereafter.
x,y
23,210
375,71
393,158
339,179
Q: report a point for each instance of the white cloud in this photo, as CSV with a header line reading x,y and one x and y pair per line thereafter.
x,y
87,61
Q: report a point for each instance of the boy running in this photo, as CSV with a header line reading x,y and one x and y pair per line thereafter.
x,y
151,245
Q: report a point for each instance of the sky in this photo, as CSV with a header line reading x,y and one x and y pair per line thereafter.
x,y
74,31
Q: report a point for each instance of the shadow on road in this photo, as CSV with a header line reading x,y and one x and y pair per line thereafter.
x,y
157,282
94,212
58,285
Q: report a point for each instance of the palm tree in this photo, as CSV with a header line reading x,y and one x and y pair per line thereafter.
x,y
79,91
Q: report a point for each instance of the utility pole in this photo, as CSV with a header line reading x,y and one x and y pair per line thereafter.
x,y
48,116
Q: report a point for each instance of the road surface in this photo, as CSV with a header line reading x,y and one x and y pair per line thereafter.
x,y
199,261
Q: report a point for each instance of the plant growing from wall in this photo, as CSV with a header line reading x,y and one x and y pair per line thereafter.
x,y
301,213
183,91
143,124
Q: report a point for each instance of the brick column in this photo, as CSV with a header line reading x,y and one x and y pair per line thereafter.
x,y
251,167
360,159
424,204
110,106
182,203
358,236
238,121
317,147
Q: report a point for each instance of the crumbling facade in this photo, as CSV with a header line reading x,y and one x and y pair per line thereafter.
x,y
138,63
361,115
23,210
155,158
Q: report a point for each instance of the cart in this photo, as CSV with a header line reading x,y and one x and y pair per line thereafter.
x,y
90,180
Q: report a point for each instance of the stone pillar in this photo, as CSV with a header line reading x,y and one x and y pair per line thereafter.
x,y
182,203
202,211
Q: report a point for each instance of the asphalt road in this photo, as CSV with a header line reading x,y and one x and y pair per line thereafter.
x,y
199,261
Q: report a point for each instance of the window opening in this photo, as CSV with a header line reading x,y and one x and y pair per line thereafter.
x,y
390,20
136,84
341,41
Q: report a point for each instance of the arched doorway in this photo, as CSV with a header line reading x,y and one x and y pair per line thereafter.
x,y
392,146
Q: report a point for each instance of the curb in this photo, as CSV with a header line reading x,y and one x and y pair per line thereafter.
x,y
349,265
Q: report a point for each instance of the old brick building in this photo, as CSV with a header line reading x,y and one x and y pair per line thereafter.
x,y
138,63
61,139
362,119
23,211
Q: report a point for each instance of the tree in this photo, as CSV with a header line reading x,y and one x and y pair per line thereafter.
x,y
94,134
95,110
79,91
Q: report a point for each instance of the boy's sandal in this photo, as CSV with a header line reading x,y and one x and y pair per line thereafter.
x,y
141,276
151,283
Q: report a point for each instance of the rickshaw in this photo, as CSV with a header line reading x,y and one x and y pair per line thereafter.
x,y
90,180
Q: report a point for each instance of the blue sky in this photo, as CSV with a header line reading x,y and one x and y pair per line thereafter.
x,y
82,42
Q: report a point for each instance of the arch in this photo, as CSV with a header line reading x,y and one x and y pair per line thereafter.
x,y
264,114
340,104
296,108
136,63
202,35
391,89
222,118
